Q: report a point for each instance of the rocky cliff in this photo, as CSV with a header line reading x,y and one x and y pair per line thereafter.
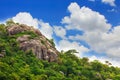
x,y
32,39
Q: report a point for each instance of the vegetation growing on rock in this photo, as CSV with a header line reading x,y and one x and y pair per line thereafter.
x,y
19,61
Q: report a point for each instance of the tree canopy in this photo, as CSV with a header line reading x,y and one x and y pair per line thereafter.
x,y
19,65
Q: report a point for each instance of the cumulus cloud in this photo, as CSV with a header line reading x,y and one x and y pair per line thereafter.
x,y
46,29
67,45
83,18
96,30
110,2
112,41
108,43
76,37
60,31
25,18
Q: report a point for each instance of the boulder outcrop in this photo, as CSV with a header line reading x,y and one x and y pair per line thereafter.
x,y
41,47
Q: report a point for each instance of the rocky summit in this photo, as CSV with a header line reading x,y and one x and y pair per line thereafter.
x,y
32,39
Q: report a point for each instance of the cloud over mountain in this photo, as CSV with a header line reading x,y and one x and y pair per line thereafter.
x,y
100,35
96,29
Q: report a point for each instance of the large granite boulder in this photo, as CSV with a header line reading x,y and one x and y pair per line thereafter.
x,y
41,47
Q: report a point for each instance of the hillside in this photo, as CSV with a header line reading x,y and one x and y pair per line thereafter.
x,y
26,54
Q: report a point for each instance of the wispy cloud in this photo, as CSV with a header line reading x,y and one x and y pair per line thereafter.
x,y
112,10
110,2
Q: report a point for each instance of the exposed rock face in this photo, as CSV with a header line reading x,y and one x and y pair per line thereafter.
x,y
14,29
40,46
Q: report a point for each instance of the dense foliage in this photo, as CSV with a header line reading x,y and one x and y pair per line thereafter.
x,y
19,65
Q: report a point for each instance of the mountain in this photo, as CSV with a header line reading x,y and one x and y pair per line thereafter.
x,y
32,39
26,54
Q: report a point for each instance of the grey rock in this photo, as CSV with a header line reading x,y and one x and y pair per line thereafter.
x,y
40,46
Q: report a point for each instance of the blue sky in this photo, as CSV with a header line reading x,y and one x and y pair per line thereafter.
x,y
57,9
92,27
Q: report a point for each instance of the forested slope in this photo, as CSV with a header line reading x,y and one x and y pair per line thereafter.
x,y
20,61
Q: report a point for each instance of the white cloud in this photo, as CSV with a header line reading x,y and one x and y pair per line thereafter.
x,y
114,62
85,19
46,29
95,28
108,43
110,2
25,18
76,37
92,23
112,10
112,41
60,31
67,45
